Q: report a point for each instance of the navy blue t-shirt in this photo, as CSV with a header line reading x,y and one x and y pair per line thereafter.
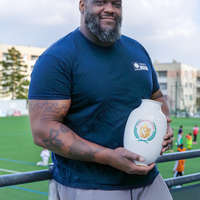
x,y
104,84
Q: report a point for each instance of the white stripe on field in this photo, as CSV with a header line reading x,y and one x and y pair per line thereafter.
x,y
9,171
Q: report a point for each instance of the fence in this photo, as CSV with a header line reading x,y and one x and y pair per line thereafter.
x,y
34,176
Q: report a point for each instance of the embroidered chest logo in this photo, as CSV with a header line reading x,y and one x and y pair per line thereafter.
x,y
145,130
139,66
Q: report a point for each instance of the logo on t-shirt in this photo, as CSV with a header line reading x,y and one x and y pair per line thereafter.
x,y
145,130
140,66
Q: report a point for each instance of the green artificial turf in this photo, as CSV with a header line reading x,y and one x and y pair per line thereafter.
x,y
18,153
191,165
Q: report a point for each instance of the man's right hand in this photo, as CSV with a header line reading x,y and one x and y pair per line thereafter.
x,y
123,160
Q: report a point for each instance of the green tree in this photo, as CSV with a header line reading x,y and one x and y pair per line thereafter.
x,y
14,75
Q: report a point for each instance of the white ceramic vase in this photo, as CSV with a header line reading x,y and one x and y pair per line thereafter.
x,y
145,130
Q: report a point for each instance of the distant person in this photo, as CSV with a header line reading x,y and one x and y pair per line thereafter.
x,y
195,133
180,164
189,141
180,130
180,136
45,154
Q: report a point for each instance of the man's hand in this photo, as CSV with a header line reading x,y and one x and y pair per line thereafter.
x,y
123,160
168,139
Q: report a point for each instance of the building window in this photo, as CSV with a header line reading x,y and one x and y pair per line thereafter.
x,y
162,74
163,86
186,85
34,57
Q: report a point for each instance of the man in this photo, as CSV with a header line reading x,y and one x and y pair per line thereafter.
x,y
180,130
195,133
179,164
180,136
82,91
189,141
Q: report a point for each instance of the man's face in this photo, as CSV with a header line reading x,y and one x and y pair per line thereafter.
x,y
103,19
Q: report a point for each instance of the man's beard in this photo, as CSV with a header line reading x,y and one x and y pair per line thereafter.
x,y
109,35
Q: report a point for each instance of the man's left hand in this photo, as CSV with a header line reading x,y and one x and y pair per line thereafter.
x,y
168,139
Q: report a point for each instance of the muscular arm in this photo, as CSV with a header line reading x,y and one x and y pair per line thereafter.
x,y
158,96
49,132
46,117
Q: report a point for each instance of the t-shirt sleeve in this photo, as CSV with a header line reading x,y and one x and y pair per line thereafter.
x,y
50,79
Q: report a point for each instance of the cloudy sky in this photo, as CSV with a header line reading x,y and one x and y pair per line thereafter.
x,y
169,29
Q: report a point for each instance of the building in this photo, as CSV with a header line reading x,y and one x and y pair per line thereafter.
x,y
198,91
180,83
29,54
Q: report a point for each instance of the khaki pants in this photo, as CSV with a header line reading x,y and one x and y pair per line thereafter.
x,y
158,190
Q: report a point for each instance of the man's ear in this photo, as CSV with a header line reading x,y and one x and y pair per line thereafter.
x,y
82,6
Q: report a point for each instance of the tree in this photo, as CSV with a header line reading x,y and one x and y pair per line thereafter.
x,y
14,75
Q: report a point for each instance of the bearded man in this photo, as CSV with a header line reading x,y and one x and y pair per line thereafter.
x,y
82,90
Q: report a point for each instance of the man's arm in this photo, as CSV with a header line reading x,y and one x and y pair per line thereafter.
x,y
168,139
46,117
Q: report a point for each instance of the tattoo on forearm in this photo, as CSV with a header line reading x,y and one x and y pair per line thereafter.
x,y
53,142
64,129
81,151
78,150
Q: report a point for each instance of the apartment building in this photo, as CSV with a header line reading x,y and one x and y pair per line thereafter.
x,y
198,91
29,54
180,83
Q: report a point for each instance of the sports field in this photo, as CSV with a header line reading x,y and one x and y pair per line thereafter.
x,y
19,154
191,165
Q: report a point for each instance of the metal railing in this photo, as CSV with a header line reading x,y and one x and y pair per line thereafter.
x,y
35,176
25,177
178,156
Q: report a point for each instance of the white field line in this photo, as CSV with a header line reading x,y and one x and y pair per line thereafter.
x,y
9,171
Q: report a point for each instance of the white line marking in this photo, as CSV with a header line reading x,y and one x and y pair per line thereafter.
x,y
9,171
